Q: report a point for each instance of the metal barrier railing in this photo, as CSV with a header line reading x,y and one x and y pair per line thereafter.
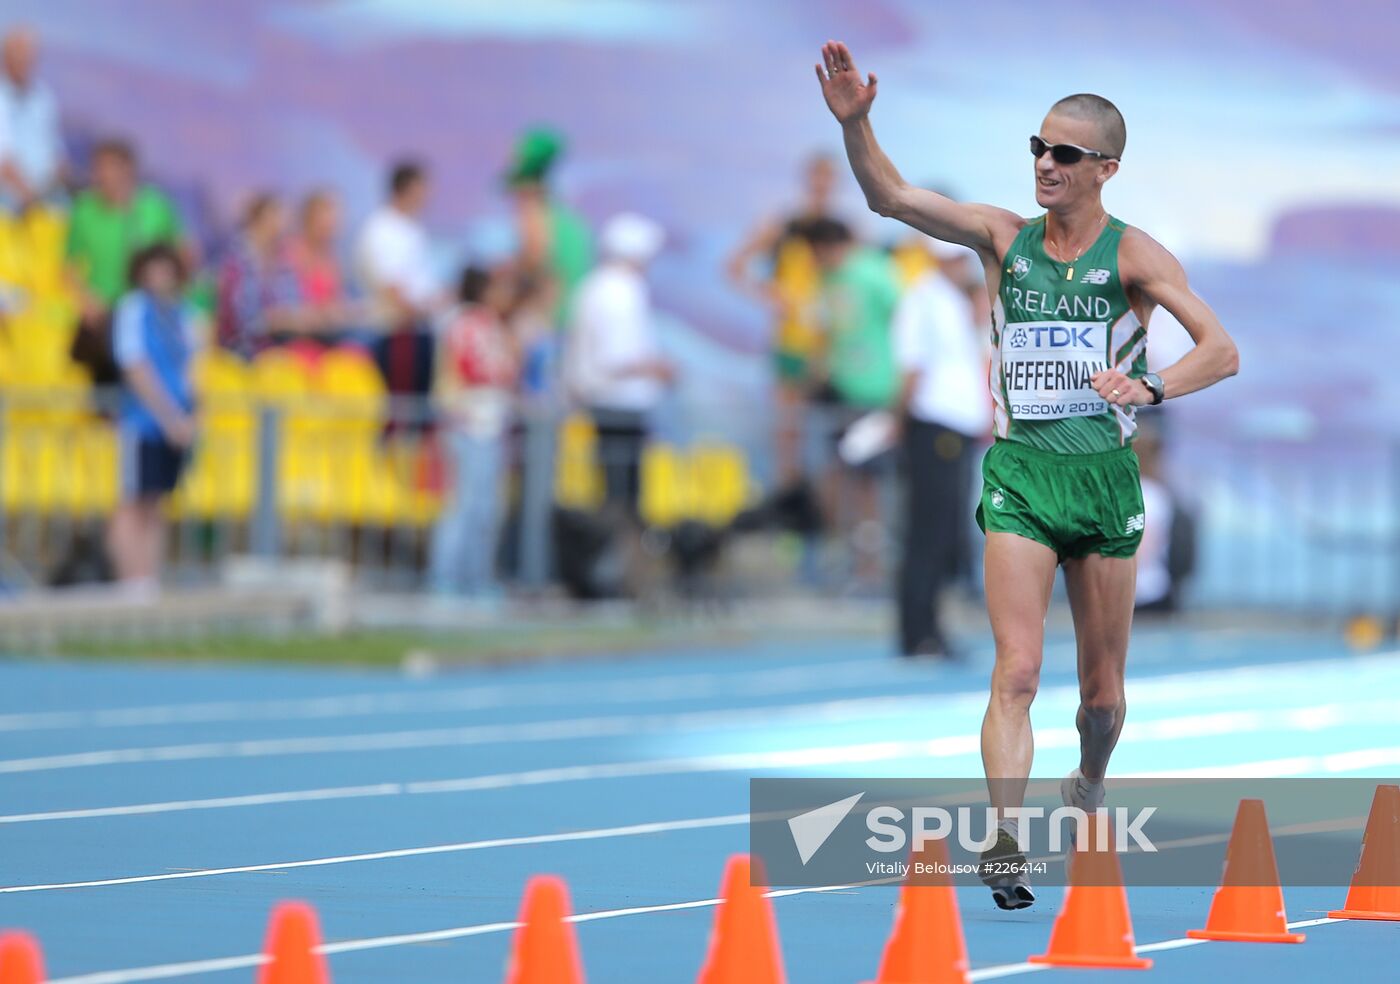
x,y
1311,524
361,480
1304,525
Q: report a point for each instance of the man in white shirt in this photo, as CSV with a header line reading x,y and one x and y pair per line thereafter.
x,y
31,143
614,366
394,255
393,258
944,410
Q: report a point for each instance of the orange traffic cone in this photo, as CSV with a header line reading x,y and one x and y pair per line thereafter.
x,y
292,938
544,950
1248,905
1375,888
20,959
926,945
744,942
1094,928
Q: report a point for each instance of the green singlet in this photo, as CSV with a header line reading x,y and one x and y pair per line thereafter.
x,y
1062,471
1051,332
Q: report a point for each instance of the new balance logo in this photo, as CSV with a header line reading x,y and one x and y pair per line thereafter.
x,y
811,829
1135,524
1095,276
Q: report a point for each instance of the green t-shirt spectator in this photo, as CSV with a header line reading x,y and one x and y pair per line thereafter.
x,y
570,254
859,299
102,237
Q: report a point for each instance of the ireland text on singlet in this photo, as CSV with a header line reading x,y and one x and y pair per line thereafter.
x,y
1055,325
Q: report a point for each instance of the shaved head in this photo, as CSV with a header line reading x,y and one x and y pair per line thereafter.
x,y
1103,114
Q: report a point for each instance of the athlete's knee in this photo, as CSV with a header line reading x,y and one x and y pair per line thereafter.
x,y
1101,683
1101,708
1016,677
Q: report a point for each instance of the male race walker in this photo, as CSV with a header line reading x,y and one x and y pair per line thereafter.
x,y
1072,291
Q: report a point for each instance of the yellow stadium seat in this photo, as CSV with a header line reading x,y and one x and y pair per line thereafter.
x,y
218,373
93,472
222,478
280,377
578,481
348,373
35,337
11,251
285,382
44,232
664,496
720,474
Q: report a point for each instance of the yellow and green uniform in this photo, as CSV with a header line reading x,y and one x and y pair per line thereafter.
x,y
798,283
1062,471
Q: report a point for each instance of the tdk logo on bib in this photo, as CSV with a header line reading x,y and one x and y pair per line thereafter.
x,y
1055,336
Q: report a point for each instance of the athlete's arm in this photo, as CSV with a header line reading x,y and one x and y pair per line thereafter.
x,y
1153,276
987,229
760,242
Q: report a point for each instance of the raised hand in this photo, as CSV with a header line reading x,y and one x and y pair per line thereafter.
x,y
846,95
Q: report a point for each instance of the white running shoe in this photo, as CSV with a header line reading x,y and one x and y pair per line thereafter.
x,y
1075,792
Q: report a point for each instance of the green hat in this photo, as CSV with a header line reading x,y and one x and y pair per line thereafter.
x,y
535,151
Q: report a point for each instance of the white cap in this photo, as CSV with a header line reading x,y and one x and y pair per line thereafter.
x,y
632,237
949,252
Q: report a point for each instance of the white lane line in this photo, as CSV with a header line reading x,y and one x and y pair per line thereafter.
x,y
213,803
1002,970
823,712
1297,765
632,830
405,939
165,971
1016,969
741,683
1313,719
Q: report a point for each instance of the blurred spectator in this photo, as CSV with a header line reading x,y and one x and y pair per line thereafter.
x,y
856,370
1167,556
614,364
554,239
313,255
259,296
109,223
859,294
154,337
395,265
477,372
789,285
555,249
532,321
944,411
31,144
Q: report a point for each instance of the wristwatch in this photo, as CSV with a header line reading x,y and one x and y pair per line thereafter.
x,y
1154,384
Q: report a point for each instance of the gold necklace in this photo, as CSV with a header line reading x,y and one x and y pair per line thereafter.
x,y
1069,274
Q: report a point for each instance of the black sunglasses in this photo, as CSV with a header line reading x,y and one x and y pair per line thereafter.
x,y
1065,153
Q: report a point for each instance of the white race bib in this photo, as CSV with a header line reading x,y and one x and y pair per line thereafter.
x,y
1046,367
